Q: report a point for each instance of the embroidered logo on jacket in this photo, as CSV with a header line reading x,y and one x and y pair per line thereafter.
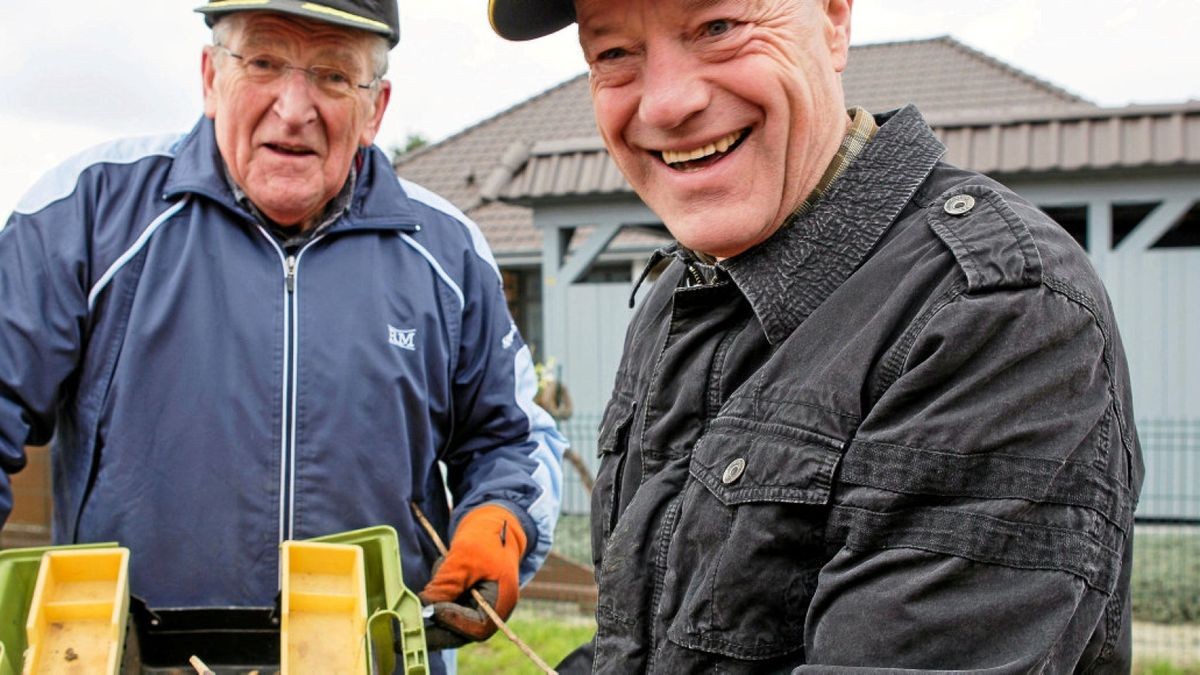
x,y
404,338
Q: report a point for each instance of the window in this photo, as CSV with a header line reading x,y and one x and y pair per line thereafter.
x,y
1126,217
523,293
1073,219
608,273
1183,234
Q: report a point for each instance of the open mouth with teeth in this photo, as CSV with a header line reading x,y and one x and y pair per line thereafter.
x,y
694,160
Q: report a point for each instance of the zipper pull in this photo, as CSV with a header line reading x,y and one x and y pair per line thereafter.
x,y
291,273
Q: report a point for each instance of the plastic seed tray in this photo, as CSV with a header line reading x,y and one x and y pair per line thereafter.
x,y
230,640
324,609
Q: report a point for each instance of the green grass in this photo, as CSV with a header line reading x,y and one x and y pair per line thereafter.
x,y
552,630
1164,668
1166,577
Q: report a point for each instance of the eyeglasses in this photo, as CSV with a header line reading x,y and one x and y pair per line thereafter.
x,y
267,68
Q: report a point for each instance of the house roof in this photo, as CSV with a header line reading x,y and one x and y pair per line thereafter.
x,y
943,75
992,116
1096,140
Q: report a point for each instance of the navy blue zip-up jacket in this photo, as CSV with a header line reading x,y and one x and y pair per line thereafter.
x,y
210,394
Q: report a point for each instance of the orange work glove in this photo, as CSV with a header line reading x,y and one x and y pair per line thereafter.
x,y
485,554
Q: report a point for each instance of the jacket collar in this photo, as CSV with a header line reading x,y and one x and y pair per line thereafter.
x,y
788,276
379,203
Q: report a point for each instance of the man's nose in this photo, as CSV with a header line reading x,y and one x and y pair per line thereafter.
x,y
295,103
672,90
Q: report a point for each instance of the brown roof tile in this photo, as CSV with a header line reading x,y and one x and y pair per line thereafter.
x,y
943,75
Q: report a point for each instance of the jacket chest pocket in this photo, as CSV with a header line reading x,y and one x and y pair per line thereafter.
x,y
612,446
744,558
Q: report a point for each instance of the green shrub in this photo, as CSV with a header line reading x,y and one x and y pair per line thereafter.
x,y
1166,577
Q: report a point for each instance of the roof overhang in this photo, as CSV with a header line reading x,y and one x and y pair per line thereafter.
x,y
1032,141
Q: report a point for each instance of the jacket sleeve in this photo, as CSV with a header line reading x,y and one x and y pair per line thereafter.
x,y
504,447
43,310
984,514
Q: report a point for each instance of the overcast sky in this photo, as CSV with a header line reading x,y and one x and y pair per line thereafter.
x,y
76,73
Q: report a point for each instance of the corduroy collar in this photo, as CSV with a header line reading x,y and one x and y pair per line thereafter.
x,y
789,275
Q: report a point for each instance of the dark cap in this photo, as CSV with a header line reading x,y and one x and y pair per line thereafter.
x,y
374,16
529,19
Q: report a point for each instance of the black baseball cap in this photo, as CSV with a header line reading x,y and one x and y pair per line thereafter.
x,y
381,17
529,19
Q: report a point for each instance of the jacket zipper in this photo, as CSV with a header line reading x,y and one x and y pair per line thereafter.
x,y
287,461
288,398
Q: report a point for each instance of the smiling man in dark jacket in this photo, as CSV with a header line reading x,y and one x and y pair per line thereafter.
x,y
255,332
875,412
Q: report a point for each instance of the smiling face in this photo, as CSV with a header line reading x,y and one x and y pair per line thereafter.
x,y
722,114
287,144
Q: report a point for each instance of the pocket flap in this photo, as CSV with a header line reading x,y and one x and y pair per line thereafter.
x,y
741,462
614,426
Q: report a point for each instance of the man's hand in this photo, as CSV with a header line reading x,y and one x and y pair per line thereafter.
x,y
484,554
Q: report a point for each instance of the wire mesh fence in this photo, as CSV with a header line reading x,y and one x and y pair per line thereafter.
x,y
1166,570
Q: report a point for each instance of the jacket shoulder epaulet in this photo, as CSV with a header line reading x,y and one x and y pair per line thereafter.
x,y
991,242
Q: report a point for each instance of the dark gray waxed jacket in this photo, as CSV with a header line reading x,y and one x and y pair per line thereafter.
x,y
897,435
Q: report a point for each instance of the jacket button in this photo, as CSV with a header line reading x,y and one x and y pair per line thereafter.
x,y
959,204
733,471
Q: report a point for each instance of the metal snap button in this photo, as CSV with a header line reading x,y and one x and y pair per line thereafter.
x,y
959,204
733,471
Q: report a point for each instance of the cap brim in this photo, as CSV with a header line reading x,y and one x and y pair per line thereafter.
x,y
529,19
303,8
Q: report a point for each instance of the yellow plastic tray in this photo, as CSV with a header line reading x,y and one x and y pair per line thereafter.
x,y
77,615
395,611
324,606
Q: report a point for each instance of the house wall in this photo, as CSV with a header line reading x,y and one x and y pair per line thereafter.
x,y
1156,295
584,323
597,314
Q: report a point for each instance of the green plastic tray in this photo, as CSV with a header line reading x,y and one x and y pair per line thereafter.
x,y
389,601
18,576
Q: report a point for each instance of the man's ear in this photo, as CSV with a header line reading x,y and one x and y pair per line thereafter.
x,y
837,16
208,74
382,96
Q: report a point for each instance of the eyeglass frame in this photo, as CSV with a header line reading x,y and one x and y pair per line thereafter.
x,y
309,75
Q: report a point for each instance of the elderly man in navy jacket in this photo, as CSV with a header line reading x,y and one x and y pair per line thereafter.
x,y
255,332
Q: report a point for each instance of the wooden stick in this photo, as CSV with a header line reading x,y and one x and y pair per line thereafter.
x,y
200,667
585,475
483,604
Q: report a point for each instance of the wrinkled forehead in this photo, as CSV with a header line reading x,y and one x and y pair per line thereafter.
x,y
592,7
599,17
